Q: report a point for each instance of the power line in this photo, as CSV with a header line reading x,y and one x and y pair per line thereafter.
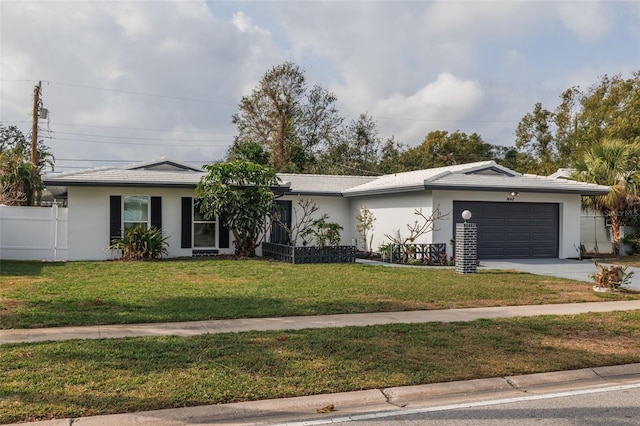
x,y
134,138
167,143
129,92
140,128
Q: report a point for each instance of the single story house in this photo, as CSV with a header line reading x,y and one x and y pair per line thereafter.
x,y
518,216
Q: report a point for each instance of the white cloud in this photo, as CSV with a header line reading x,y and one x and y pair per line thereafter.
x,y
589,20
446,100
101,56
514,59
413,65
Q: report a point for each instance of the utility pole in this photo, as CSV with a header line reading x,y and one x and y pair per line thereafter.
x,y
37,91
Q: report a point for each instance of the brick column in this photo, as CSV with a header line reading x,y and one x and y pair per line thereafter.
x,y
466,247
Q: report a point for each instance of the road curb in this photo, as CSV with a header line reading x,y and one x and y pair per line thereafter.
x,y
400,396
345,403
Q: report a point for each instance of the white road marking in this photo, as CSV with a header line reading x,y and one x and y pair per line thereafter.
x,y
384,414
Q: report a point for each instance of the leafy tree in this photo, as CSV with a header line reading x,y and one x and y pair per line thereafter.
x,y
609,109
20,182
441,149
355,152
240,194
535,137
390,157
248,151
615,163
285,118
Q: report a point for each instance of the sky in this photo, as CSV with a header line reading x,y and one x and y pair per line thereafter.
x,y
130,81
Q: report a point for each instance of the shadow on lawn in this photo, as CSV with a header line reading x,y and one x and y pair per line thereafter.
x,y
14,268
106,374
99,311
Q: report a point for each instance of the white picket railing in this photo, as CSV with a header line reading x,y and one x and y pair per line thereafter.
x,y
33,233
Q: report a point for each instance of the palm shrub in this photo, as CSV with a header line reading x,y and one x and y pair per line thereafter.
x,y
140,243
325,233
614,163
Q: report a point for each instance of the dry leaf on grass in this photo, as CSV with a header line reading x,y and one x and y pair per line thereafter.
x,y
329,408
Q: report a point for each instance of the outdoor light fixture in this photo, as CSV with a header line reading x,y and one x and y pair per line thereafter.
x,y
514,193
466,215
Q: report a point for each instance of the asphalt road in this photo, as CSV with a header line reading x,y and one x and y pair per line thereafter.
x,y
610,406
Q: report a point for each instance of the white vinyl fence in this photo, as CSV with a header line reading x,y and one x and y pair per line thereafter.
x,y
33,233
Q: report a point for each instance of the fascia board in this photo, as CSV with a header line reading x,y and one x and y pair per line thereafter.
x,y
545,190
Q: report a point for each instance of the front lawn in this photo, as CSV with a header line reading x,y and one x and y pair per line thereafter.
x,y
91,377
623,260
45,294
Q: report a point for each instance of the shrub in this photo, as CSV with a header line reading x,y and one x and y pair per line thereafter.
x,y
141,243
325,233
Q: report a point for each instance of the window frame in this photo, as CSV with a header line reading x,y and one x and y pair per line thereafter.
x,y
124,222
213,222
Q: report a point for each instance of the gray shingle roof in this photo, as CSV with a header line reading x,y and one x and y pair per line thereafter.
x,y
480,176
523,183
415,180
322,184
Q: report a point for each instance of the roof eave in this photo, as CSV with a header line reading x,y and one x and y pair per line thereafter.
x,y
119,184
547,190
388,190
316,193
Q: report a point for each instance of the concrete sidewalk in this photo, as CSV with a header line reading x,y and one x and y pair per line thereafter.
x,y
301,322
375,402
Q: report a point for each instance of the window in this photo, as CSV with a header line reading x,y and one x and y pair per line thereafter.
x,y
135,211
204,230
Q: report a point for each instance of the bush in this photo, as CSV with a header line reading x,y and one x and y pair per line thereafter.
x,y
141,243
634,241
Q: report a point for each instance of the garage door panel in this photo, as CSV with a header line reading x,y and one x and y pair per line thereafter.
x,y
523,221
518,253
518,237
517,208
513,230
494,222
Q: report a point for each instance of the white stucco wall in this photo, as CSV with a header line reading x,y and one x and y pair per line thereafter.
x,y
336,207
569,211
89,220
393,212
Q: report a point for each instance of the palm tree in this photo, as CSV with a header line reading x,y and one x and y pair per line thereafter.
x,y
614,163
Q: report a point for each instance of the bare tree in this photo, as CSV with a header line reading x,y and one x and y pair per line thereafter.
x,y
421,226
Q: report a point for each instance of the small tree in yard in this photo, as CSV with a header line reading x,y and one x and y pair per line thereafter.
x,y
302,219
364,227
421,226
240,194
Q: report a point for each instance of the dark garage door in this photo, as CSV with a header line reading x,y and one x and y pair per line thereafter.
x,y
512,230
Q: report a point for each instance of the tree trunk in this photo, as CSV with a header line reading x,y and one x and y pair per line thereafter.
x,y
281,154
615,231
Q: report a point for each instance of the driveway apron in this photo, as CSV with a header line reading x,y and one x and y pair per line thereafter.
x,y
579,270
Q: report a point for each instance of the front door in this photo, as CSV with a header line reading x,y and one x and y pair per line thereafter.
x,y
280,227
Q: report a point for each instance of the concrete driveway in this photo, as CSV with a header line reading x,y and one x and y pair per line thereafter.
x,y
563,268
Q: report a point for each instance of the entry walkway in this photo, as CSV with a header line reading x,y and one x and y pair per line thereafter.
x,y
301,322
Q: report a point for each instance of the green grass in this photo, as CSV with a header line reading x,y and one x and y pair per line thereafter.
x,y
40,294
81,378
623,260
